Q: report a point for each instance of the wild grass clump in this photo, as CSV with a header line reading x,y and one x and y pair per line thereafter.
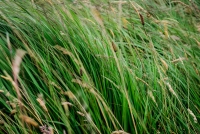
x,y
99,66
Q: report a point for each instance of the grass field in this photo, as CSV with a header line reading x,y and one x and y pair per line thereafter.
x,y
99,66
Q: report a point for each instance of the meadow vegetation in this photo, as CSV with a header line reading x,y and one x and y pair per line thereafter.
x,y
99,66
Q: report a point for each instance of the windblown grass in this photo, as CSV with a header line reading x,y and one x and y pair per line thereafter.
x,y
99,66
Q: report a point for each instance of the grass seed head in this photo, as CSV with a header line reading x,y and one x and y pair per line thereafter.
x,y
114,46
166,30
66,105
13,112
1,122
119,132
17,61
179,59
69,94
28,120
80,113
152,97
63,50
192,114
171,90
141,19
164,64
125,22
82,84
42,103
97,16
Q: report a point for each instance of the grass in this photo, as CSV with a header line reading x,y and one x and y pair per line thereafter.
x,y
99,66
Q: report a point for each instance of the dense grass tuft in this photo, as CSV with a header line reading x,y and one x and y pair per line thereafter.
x,y
99,66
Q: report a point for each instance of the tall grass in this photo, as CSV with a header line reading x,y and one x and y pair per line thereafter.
x,y
99,66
